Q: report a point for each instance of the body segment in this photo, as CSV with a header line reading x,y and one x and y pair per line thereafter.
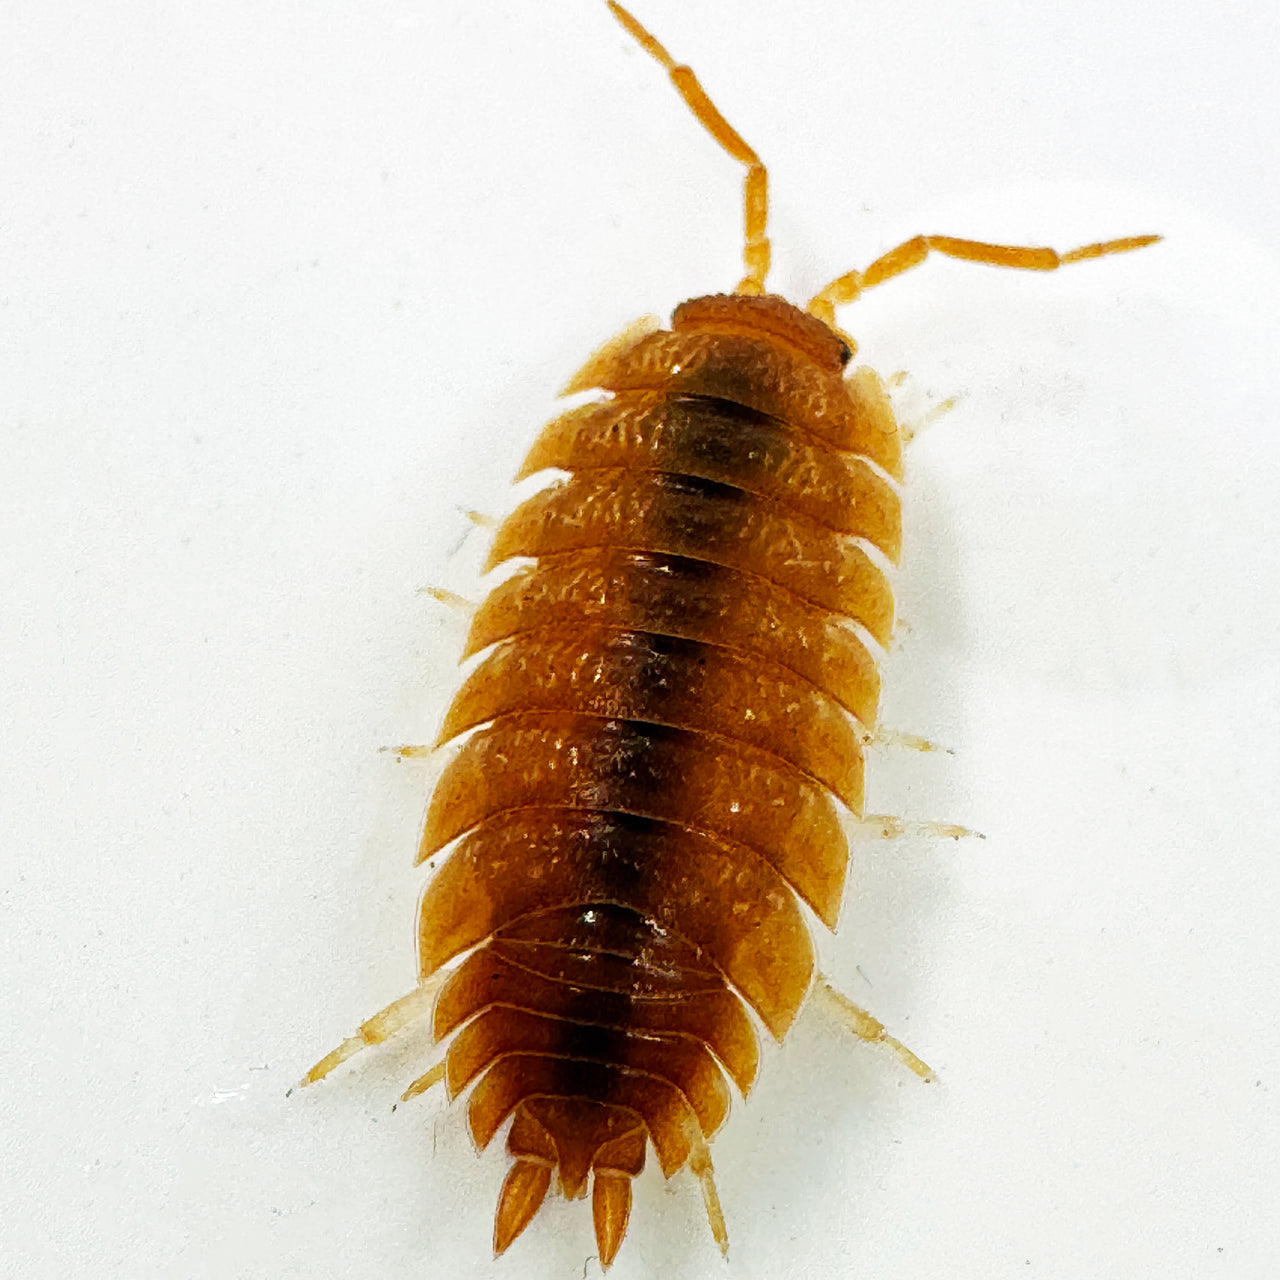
x,y
655,773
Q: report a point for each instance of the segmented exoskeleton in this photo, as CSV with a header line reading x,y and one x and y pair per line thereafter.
x,y
659,755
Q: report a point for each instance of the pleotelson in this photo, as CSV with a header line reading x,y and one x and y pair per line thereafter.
x,y
664,723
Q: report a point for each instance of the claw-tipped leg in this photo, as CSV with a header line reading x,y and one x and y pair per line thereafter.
x,y
857,1020
398,1015
425,1082
711,1200
700,1167
885,826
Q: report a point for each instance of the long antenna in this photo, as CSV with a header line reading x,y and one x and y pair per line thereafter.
x,y
755,253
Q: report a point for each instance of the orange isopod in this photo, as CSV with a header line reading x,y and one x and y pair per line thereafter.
x,y
657,761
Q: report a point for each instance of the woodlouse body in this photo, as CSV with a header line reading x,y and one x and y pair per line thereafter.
x,y
662,744
668,709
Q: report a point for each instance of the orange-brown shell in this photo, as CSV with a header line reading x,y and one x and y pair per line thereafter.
x,y
664,722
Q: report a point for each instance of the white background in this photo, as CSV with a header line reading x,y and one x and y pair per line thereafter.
x,y
284,286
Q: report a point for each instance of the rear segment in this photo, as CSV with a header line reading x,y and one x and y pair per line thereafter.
x,y
662,729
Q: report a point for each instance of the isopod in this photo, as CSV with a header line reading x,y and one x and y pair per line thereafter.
x,y
657,761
